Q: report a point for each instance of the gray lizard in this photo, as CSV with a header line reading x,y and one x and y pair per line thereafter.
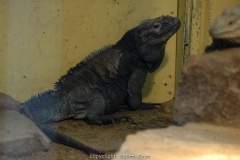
x,y
225,30
104,80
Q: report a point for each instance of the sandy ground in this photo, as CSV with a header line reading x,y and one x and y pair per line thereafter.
x,y
107,138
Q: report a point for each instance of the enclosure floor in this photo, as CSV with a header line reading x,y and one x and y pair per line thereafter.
x,y
106,138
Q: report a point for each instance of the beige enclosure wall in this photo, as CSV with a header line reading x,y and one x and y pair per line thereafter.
x,y
41,40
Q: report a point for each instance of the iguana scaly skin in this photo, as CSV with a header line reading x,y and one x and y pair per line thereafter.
x,y
225,30
107,78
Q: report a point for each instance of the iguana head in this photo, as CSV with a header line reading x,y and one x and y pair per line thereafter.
x,y
227,26
151,37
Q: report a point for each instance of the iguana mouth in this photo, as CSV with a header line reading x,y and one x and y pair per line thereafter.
x,y
174,28
168,34
224,35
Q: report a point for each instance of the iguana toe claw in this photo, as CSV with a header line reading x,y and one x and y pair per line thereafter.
x,y
110,119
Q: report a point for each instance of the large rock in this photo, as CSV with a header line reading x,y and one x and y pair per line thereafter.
x,y
209,89
193,142
19,135
7,102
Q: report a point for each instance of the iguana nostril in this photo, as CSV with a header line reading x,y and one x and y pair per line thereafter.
x,y
230,23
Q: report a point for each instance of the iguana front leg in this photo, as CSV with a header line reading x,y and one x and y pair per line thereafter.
x,y
96,107
217,44
135,85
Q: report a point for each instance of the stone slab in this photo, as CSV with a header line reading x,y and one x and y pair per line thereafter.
x,y
209,89
19,135
193,141
7,102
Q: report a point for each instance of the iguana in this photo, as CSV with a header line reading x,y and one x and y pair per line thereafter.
x,y
225,30
104,80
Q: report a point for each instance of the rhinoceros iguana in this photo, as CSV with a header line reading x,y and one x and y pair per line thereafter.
x,y
225,30
104,80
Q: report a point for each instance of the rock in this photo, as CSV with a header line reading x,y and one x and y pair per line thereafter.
x,y
7,102
19,135
167,107
192,141
209,89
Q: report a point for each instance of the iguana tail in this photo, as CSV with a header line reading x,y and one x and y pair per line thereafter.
x,y
68,141
51,107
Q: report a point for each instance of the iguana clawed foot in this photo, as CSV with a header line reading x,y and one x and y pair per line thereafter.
x,y
108,119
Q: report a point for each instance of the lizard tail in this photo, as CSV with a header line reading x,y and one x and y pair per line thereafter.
x,y
68,141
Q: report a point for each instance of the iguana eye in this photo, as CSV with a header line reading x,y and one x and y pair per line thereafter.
x,y
157,25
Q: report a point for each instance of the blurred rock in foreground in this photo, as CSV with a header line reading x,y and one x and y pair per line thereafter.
x,y
193,141
209,89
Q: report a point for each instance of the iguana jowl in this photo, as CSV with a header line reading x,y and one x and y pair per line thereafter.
x,y
107,78
225,30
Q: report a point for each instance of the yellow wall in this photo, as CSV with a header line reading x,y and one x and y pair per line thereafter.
x,y
41,40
